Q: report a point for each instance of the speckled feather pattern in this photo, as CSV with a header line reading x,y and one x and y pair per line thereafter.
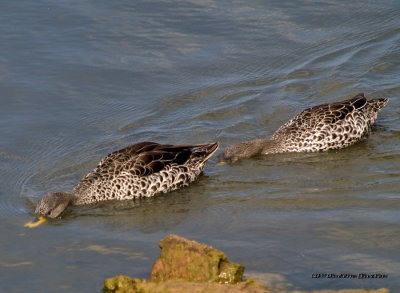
x,y
143,170
328,126
320,128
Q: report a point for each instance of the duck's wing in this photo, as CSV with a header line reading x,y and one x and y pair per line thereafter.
x,y
144,159
123,155
154,161
318,116
150,162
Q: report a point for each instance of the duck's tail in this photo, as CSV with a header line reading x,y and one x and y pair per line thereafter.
x,y
195,151
373,107
204,151
377,104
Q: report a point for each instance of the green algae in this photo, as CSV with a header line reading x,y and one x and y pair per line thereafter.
x,y
120,284
230,272
183,259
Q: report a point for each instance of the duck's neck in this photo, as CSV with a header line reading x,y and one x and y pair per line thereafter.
x,y
270,146
251,148
70,196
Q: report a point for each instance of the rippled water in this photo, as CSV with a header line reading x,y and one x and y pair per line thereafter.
x,y
79,79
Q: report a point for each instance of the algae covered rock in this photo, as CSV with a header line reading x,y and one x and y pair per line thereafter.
x,y
120,284
189,266
184,259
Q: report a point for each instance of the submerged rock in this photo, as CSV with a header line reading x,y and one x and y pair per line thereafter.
x,y
184,259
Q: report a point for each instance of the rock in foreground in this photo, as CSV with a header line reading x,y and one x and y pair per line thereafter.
x,y
189,266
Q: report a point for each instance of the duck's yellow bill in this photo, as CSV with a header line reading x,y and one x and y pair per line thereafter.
x,y
33,224
222,163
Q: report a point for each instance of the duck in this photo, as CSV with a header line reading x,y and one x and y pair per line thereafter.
x,y
320,128
143,169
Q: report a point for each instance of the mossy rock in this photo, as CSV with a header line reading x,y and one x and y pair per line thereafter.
x,y
120,284
184,259
189,266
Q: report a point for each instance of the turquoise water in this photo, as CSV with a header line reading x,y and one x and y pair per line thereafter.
x,y
79,79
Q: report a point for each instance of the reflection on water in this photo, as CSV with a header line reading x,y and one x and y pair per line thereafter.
x,y
146,215
80,80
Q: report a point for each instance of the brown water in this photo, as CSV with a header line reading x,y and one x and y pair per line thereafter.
x,y
79,79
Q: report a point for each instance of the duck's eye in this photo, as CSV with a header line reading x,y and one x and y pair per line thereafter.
x,y
48,213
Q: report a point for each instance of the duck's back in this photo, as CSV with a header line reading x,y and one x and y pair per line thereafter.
x,y
143,170
329,126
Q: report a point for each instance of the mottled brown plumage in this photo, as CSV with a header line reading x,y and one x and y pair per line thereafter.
x,y
140,170
320,128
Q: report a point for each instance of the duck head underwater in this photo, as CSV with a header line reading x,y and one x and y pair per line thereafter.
x,y
141,170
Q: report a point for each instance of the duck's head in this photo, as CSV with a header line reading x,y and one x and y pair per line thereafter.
x,y
53,204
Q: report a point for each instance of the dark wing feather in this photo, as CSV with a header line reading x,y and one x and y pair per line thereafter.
x,y
140,159
322,114
145,158
154,161
125,154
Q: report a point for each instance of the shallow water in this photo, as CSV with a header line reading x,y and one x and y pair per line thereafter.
x,y
79,79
